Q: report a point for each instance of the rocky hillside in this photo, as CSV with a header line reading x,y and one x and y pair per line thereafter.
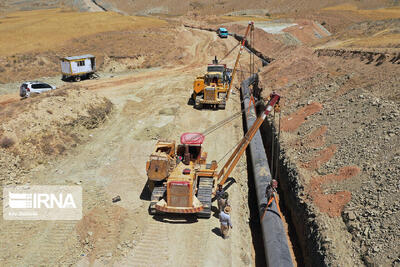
x,y
340,128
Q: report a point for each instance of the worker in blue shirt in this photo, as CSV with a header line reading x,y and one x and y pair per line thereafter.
x,y
225,220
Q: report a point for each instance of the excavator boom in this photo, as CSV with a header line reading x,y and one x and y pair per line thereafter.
x,y
234,158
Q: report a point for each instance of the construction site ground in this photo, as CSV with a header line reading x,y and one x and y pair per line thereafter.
x,y
336,67
148,105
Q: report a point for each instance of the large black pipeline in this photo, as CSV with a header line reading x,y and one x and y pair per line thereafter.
x,y
265,60
276,247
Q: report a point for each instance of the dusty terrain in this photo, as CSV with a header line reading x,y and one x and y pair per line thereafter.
x,y
340,133
109,36
340,128
110,161
336,64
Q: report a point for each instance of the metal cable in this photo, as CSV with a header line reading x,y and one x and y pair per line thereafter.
x,y
222,123
278,146
230,150
230,51
273,150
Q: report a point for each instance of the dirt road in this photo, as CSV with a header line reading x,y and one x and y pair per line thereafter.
x,y
148,105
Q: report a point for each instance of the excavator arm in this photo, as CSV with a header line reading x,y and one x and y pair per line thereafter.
x,y
250,26
240,149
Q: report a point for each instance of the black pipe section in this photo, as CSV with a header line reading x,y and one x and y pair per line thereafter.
x,y
265,60
276,247
100,6
311,250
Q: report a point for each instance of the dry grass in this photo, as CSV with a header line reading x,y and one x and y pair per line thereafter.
x,y
363,28
370,14
392,40
56,122
43,30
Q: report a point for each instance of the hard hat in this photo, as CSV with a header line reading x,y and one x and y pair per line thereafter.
x,y
227,209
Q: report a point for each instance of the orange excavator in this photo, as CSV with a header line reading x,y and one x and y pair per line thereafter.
x,y
179,177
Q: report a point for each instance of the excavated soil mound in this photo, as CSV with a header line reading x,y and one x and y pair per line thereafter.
x,y
35,129
356,124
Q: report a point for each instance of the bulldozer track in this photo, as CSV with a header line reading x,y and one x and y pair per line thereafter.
x,y
156,195
152,249
53,242
204,195
198,239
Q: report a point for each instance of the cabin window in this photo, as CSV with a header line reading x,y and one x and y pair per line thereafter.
x,y
40,86
81,63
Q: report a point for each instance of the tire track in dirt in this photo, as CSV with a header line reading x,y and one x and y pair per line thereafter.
x,y
161,243
53,244
195,243
198,53
152,249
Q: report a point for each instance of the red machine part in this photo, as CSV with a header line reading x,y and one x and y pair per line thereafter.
x,y
192,139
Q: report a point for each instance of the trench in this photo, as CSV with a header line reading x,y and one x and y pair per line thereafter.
x,y
303,231
270,222
254,222
302,228
294,239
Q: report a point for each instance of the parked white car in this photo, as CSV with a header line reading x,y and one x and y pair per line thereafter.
x,y
35,87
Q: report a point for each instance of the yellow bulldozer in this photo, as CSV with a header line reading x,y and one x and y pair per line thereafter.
x,y
211,89
182,175
179,177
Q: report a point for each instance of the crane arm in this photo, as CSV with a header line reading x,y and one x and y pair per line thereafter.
x,y
249,26
240,149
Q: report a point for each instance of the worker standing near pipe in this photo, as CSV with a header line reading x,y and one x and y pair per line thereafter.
x,y
271,190
225,220
223,201
219,196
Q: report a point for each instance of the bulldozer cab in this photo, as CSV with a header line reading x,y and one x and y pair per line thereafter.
x,y
216,68
215,78
216,73
190,149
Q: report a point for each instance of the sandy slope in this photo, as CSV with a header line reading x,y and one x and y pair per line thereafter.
x,y
148,105
92,7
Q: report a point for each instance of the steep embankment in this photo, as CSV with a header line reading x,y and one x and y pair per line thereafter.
x,y
339,133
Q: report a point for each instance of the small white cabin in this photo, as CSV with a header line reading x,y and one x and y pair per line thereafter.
x,y
78,65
